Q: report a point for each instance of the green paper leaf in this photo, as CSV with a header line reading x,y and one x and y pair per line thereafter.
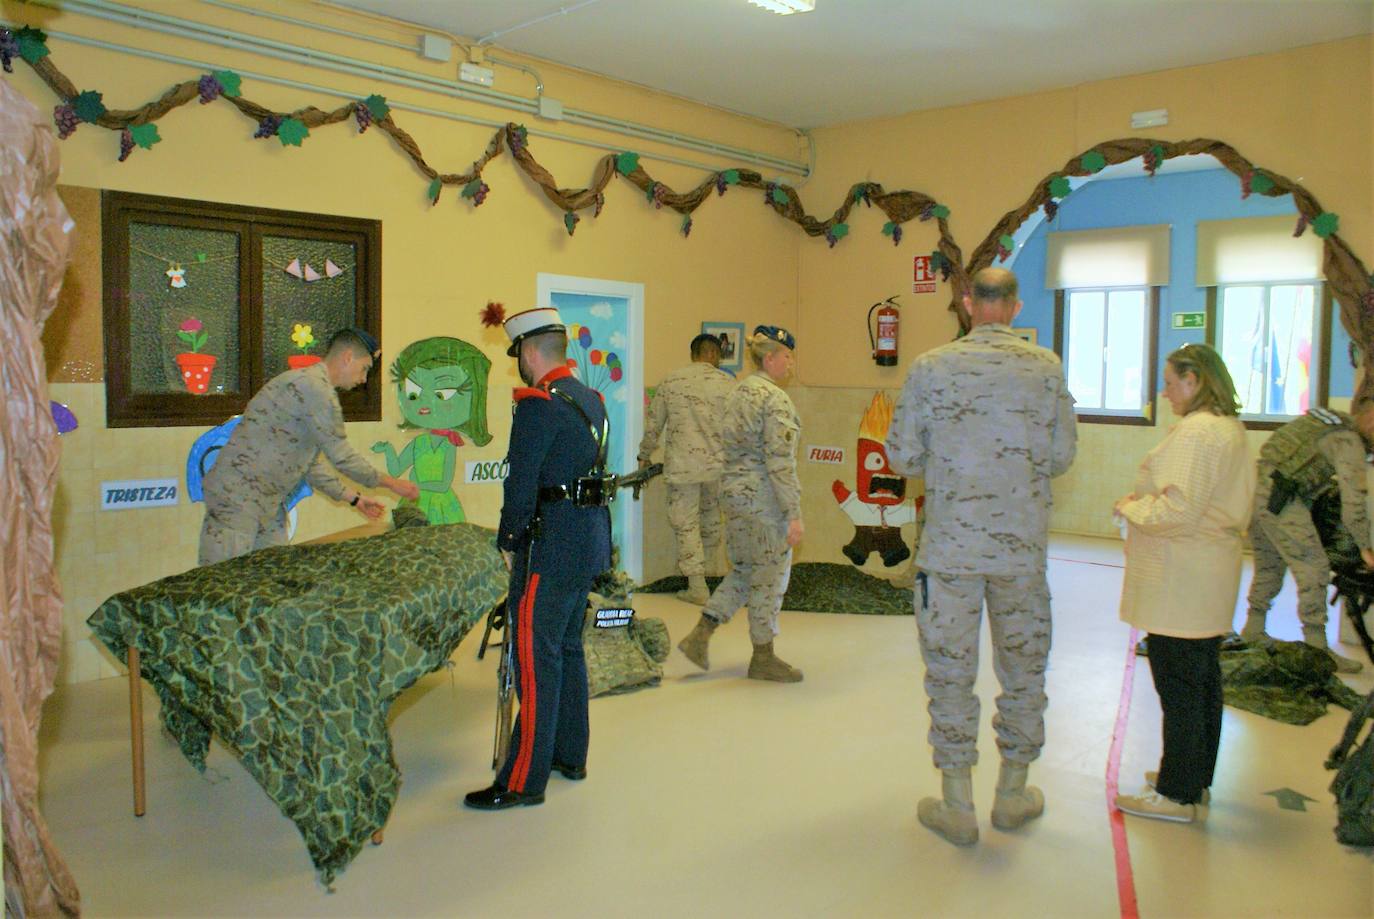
x,y
1006,241
1093,161
145,135
1060,187
1326,224
731,176
1261,184
859,192
888,228
200,256
188,337
33,44
434,188
229,82
292,131
839,230
626,163
1157,151
779,196
570,222
940,212
649,191
201,339
88,106
377,107
471,189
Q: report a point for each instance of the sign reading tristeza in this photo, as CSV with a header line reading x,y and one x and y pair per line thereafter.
x,y
119,496
478,472
825,455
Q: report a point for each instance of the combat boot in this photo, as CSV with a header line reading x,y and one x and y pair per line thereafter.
x,y
1016,802
695,645
1253,630
952,816
696,591
765,665
1316,637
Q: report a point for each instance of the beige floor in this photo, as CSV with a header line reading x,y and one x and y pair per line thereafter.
x,y
715,795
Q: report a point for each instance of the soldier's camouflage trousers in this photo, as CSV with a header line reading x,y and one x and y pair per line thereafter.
x,y
1283,541
949,620
694,514
760,566
220,541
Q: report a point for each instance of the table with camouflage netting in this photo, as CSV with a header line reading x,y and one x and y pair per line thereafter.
x,y
292,656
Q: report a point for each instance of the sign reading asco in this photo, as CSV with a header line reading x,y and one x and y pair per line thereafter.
x,y
478,472
119,496
922,275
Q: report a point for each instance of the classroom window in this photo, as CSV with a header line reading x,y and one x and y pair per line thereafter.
x,y
1271,337
1105,338
205,302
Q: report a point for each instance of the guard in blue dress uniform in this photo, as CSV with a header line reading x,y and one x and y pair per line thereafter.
x,y
556,537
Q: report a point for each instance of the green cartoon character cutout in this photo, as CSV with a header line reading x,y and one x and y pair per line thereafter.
x,y
441,384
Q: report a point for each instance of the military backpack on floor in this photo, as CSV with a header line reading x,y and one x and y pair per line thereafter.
x,y
1354,782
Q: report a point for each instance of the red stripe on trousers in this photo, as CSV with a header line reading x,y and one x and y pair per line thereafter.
x,y
524,644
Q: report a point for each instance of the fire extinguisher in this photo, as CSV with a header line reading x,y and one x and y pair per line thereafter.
x,y
884,344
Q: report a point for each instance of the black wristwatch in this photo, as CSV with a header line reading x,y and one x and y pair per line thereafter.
x,y
356,498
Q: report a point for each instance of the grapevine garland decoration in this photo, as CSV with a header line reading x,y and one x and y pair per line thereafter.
x,y
136,129
1350,281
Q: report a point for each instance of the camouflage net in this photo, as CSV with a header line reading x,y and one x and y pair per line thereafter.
x,y
824,587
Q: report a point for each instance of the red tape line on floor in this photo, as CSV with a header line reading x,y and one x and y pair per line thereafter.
x,y
1125,880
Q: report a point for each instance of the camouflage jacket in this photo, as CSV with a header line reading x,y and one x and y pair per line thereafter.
x,y
759,432
1317,453
987,421
291,421
685,412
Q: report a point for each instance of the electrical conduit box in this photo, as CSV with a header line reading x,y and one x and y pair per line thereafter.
x,y
474,73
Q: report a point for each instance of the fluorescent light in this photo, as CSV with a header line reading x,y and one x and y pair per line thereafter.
x,y
786,7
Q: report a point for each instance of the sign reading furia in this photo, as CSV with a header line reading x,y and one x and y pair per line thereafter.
x,y
119,496
476,472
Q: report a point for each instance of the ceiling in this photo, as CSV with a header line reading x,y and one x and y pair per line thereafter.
x,y
858,59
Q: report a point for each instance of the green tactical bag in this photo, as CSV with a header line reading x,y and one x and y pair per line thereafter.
x,y
1354,782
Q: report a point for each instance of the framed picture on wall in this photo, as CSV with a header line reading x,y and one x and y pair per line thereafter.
x,y
731,335
1025,334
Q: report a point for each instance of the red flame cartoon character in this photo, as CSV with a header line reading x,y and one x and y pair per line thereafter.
x,y
878,506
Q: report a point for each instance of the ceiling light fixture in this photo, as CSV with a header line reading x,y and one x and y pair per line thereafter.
x,y
786,7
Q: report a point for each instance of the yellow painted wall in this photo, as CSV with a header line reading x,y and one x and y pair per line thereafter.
x,y
440,264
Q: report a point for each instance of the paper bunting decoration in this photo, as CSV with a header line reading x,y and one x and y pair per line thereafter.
x,y
311,274
176,277
331,270
293,268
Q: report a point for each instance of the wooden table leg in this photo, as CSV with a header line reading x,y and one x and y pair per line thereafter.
x,y
136,730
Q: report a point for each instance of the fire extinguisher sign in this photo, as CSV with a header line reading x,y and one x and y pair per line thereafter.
x,y
922,275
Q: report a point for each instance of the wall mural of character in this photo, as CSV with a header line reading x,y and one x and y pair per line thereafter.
x,y
441,385
878,506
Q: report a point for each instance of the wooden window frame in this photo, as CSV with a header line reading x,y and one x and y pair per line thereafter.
x,y
125,408
1152,362
1325,310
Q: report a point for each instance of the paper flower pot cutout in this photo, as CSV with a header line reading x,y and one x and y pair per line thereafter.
x,y
297,361
196,370
303,337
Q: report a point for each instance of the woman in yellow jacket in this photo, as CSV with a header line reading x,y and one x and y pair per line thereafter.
x,y
1185,517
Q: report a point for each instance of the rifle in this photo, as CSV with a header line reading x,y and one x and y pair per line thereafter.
x,y
637,479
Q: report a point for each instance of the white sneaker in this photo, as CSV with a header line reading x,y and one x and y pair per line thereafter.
x,y
1154,805
1152,777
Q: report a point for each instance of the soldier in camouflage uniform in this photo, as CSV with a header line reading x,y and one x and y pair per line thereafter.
x,y
762,498
287,425
1305,459
987,421
686,411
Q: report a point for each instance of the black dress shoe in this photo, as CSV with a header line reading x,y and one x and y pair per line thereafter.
x,y
573,773
497,798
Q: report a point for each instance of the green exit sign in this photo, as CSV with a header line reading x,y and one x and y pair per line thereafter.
x,y
1190,320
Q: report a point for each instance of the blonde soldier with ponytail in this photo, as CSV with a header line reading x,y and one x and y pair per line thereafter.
x,y
761,496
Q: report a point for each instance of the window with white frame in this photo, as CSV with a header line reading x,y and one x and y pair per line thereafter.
x,y
1269,335
1106,349
1269,312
